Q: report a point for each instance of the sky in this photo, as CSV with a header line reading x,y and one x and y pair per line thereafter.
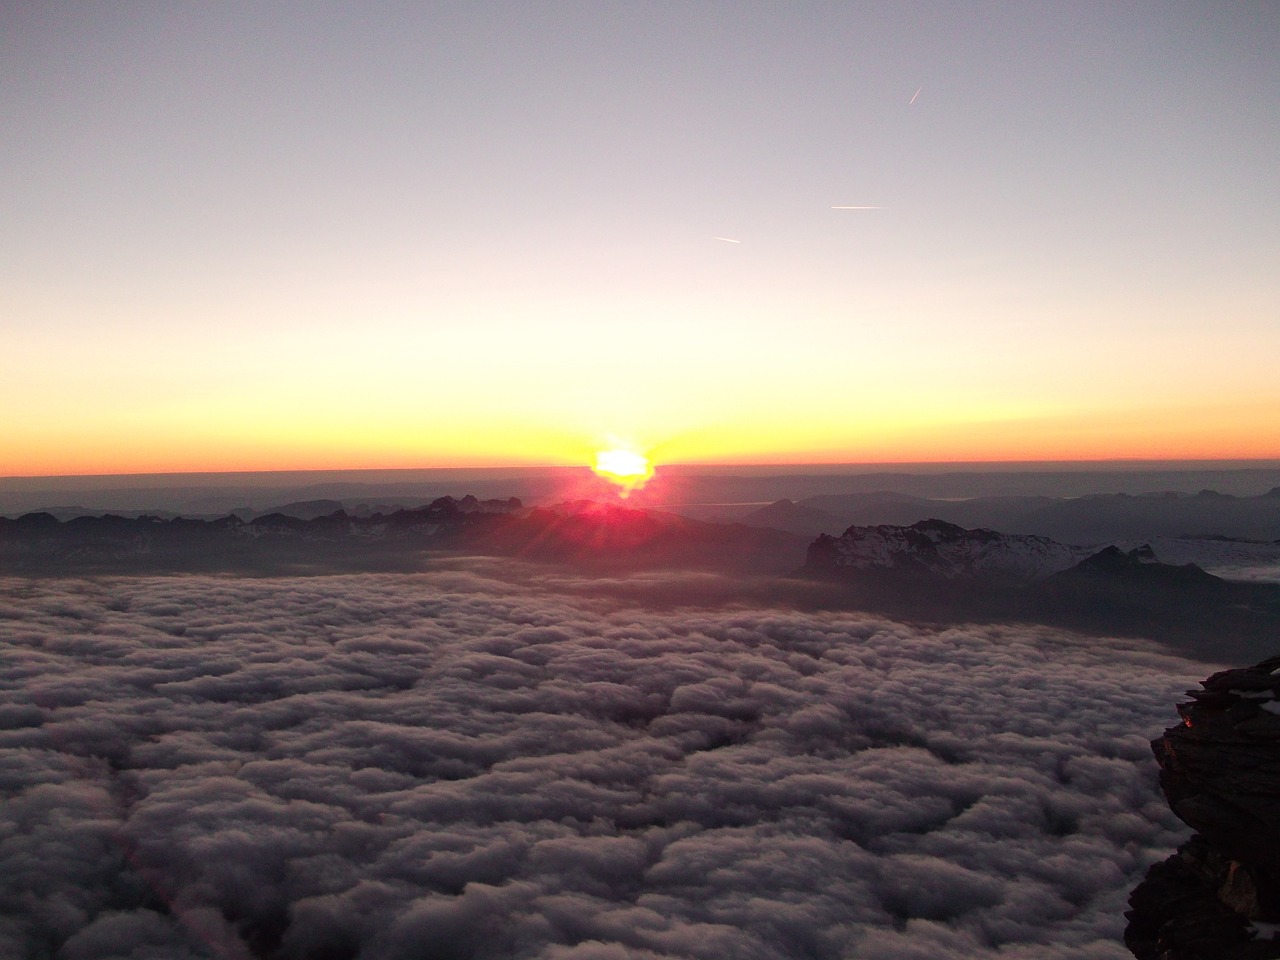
x,y
239,236
483,763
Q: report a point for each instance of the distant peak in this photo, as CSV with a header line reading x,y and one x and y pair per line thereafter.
x,y
933,524
1207,494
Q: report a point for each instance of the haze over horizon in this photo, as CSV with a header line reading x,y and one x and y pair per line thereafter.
x,y
246,238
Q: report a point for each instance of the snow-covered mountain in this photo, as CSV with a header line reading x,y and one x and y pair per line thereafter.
x,y
944,573
946,550
954,553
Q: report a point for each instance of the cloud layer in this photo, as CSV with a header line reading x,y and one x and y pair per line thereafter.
x,y
452,765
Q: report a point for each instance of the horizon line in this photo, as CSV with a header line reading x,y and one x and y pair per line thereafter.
x,y
1221,463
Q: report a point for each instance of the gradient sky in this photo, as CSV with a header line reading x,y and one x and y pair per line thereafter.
x,y
268,236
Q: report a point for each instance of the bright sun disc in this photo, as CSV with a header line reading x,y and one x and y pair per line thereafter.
x,y
628,469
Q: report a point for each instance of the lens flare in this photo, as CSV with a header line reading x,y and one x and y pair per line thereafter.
x,y
625,468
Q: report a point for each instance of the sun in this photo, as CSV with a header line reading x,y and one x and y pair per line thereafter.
x,y
626,468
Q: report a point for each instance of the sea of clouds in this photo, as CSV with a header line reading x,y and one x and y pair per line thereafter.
x,y
463,764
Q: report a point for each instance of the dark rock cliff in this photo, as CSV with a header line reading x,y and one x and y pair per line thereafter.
x,y
1219,895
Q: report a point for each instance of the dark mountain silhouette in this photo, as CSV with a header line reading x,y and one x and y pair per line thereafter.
x,y
931,571
939,572
795,518
1097,518
39,543
585,534
304,509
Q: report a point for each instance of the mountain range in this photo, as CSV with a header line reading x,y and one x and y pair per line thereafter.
x,y
930,570
1095,518
939,571
597,537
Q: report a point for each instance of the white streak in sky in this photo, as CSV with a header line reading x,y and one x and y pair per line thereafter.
x,y
914,95
728,240
857,208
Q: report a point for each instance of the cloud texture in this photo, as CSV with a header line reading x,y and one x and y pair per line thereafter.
x,y
450,765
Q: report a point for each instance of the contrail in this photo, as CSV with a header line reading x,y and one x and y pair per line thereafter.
x,y
728,240
857,208
914,95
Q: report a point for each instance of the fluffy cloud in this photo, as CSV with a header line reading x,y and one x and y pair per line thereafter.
x,y
461,765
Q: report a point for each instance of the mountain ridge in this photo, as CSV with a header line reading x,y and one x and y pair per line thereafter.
x,y
584,533
1082,520
985,576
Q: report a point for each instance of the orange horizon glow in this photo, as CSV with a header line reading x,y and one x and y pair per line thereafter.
x,y
957,449
1239,432
340,464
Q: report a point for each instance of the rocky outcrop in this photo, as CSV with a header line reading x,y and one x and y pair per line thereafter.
x,y
1219,895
